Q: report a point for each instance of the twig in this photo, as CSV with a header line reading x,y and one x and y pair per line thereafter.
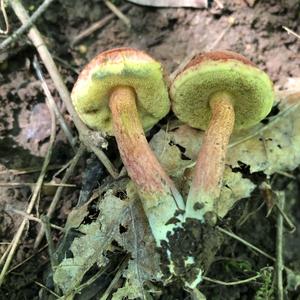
x,y
51,248
115,279
97,25
232,235
26,259
28,170
21,184
220,4
279,247
47,289
34,197
287,220
286,174
274,196
118,13
63,125
32,218
192,54
231,21
26,25
84,133
4,255
243,281
58,192
289,31
3,10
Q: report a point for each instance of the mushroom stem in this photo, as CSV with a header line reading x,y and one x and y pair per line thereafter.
x,y
207,180
159,196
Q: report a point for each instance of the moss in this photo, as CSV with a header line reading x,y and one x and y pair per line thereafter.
x,y
250,89
91,93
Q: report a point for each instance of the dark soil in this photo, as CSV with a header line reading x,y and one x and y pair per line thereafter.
x,y
170,35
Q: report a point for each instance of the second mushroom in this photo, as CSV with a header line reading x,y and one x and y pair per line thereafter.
x,y
218,92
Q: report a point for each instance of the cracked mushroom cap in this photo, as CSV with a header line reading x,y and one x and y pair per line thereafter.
x,y
249,88
120,67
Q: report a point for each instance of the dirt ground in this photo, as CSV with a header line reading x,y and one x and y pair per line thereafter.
x,y
170,35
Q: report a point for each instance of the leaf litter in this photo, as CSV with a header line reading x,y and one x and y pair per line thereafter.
x,y
272,146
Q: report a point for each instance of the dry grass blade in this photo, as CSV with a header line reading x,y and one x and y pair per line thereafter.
x,y
59,191
118,13
279,247
242,281
3,10
34,198
25,26
85,133
63,125
96,26
289,31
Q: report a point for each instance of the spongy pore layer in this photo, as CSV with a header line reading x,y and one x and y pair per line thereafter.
x,y
249,88
120,67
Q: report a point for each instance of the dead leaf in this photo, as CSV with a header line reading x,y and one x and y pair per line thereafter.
x,y
119,220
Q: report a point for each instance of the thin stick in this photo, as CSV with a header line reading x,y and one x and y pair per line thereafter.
x,y
34,197
32,218
59,191
289,31
191,55
231,234
287,220
231,21
84,133
26,25
97,25
236,237
118,13
3,10
21,184
4,255
27,259
72,140
115,279
279,247
51,248
47,289
28,170
243,281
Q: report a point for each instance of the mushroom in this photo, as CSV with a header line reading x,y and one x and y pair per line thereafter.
x,y
218,92
122,92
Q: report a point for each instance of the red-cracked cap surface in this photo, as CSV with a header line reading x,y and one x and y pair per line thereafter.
x,y
113,56
217,56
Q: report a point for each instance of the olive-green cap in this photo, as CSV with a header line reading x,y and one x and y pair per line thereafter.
x,y
250,89
120,67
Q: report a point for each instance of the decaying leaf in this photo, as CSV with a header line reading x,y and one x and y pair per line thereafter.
x,y
144,265
119,220
92,246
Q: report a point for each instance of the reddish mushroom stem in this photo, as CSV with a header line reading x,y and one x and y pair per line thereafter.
x,y
157,191
207,180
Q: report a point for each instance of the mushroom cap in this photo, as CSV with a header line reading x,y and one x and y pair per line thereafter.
x,y
249,88
120,67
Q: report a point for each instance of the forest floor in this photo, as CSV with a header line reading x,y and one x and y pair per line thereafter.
x,y
171,35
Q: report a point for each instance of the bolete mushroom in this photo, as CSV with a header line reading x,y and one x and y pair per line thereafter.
x,y
218,92
122,92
